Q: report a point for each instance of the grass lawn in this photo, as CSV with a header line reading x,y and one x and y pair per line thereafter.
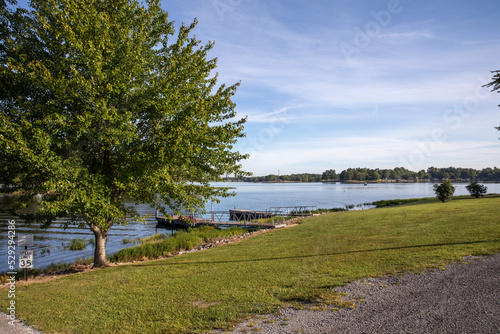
x,y
200,291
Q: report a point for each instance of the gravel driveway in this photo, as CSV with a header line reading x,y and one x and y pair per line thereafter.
x,y
464,298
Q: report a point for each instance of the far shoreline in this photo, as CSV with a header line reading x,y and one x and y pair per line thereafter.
x,y
360,182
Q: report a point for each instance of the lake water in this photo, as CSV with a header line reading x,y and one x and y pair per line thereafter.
x,y
50,243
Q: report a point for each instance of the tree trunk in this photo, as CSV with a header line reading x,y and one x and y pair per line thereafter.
x,y
100,246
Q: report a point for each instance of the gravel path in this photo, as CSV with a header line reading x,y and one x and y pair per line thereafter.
x,y
464,298
17,326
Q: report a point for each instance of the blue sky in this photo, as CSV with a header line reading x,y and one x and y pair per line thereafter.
x,y
332,84
338,83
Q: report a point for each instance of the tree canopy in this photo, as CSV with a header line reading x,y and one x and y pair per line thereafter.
x,y
102,101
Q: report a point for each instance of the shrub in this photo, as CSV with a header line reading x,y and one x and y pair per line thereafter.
x,y
444,191
475,189
78,244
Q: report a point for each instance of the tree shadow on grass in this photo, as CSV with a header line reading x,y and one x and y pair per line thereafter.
x,y
318,255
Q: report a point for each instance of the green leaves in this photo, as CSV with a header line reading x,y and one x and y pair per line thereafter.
x,y
444,191
476,190
104,102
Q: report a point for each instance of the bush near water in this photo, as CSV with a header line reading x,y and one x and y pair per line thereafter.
x,y
476,190
444,191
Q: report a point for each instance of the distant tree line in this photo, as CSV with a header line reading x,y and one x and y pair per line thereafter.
x,y
398,173
432,173
303,177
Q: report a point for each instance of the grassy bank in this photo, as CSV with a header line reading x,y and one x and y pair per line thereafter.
x,y
215,288
180,240
150,248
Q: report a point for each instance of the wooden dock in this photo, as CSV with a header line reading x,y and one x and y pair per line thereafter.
x,y
247,215
176,222
272,218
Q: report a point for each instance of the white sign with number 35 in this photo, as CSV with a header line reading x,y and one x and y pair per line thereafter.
x,y
26,259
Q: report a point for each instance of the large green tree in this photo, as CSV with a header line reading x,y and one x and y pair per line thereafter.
x,y
103,101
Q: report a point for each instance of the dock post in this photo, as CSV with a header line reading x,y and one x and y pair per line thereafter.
x,y
156,217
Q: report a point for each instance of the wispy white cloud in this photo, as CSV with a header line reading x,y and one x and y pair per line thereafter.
x,y
282,114
308,105
406,36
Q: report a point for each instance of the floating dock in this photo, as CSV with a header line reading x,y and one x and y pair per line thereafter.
x,y
177,222
246,215
272,218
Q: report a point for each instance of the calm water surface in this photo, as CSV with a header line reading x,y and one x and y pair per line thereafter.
x,y
50,243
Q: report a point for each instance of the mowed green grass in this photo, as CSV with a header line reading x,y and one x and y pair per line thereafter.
x,y
211,289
